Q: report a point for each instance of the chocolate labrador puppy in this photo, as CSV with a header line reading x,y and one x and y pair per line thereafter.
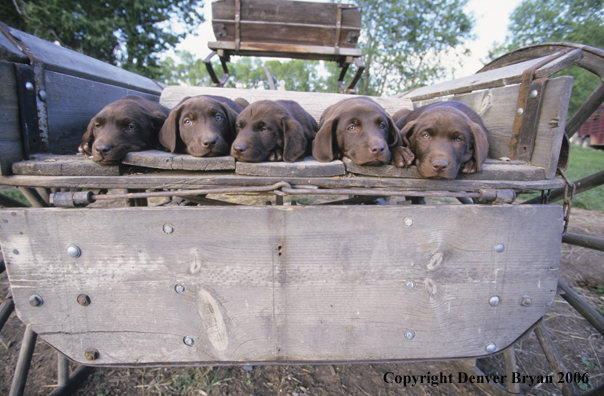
x,y
128,124
446,137
274,130
201,126
360,129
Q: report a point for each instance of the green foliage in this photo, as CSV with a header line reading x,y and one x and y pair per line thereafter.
x,y
584,162
128,34
15,194
185,71
574,21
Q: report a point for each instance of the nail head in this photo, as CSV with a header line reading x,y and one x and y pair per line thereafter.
x,y
520,111
91,354
74,251
83,300
168,228
179,289
189,341
491,347
499,248
494,301
35,300
409,334
408,221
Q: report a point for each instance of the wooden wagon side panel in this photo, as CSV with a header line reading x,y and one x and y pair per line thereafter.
x,y
11,146
282,284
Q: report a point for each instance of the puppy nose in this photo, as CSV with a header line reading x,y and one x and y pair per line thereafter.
x,y
377,148
440,165
102,148
208,142
239,148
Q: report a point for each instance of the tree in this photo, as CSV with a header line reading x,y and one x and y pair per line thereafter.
x,y
130,34
575,21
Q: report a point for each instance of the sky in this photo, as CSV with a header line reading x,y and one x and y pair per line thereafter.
x,y
491,21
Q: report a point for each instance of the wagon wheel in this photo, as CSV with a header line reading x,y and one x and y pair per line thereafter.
x,y
593,61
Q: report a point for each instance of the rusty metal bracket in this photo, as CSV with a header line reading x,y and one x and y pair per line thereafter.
x,y
28,114
223,61
528,108
351,87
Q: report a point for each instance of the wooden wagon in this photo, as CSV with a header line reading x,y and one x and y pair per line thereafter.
x,y
214,283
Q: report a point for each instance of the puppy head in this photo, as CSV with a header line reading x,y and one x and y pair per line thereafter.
x,y
267,130
201,126
359,129
128,124
445,139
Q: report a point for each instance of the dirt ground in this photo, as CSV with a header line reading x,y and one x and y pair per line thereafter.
x,y
580,346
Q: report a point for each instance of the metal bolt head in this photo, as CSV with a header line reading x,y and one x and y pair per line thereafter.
x,y
520,111
29,86
168,228
494,301
526,301
408,221
179,289
189,341
83,300
42,95
410,285
491,347
91,354
534,94
74,251
35,300
499,248
409,334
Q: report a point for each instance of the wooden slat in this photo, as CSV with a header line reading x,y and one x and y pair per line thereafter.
x,y
307,168
285,50
163,160
494,78
63,165
314,103
491,170
282,284
11,146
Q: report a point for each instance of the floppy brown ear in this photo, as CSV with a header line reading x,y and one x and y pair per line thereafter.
x,y
169,135
480,143
87,139
294,140
322,146
242,102
395,135
232,121
407,132
158,118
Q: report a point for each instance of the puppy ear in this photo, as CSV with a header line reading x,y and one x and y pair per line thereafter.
x,y
88,139
407,132
480,143
231,120
322,145
294,140
394,138
169,135
242,102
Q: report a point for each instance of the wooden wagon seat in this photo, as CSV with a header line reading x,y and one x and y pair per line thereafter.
x,y
286,29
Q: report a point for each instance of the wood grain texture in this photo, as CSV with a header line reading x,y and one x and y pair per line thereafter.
x,y
11,145
163,160
491,170
282,284
314,103
63,165
307,168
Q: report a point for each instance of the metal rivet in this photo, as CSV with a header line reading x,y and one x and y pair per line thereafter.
x,y
15,252
29,86
494,301
74,251
526,301
42,95
499,248
189,341
410,285
168,228
35,300
179,289
409,334
83,300
520,111
408,221
91,354
491,347
534,94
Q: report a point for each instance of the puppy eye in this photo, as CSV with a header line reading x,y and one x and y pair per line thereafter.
x,y
458,139
188,122
263,129
97,125
130,127
218,117
382,125
351,127
426,135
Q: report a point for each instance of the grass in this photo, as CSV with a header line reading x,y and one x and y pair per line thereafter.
x,y
13,193
585,162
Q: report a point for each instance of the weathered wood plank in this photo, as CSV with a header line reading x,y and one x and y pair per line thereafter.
x,y
314,103
307,168
72,102
312,52
492,170
9,52
163,160
170,180
63,165
282,284
11,146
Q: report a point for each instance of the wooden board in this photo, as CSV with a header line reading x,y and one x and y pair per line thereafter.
x,y
11,145
314,103
163,160
491,170
63,165
282,284
9,52
307,168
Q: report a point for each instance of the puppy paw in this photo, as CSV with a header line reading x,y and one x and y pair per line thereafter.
x,y
469,167
402,157
276,155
